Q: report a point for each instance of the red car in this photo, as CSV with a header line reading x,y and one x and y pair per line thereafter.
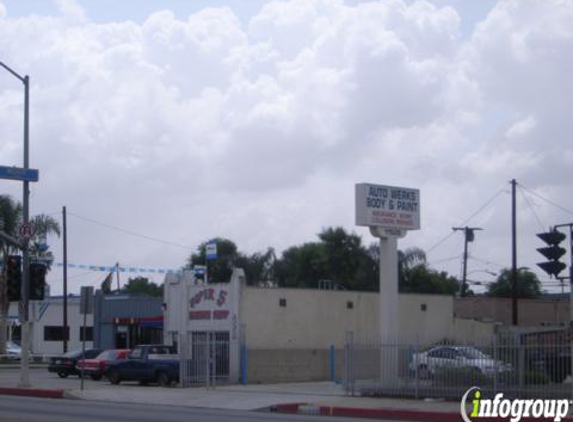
x,y
95,368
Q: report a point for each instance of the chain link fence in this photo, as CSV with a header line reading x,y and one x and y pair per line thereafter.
x,y
533,365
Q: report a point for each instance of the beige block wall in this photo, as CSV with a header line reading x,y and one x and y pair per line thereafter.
x,y
531,312
316,319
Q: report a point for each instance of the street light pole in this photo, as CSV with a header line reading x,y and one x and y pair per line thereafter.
x,y
24,314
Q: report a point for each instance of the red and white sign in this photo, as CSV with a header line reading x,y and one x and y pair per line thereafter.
x,y
209,303
389,207
26,231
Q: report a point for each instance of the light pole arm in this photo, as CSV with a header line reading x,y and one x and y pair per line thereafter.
x,y
23,80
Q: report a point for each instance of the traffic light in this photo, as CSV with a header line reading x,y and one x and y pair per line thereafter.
x,y
14,278
37,281
552,252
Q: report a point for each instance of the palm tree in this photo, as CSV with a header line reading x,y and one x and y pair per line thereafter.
x,y
10,212
10,219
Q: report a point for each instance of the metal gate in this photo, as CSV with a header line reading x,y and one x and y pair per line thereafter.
x,y
204,358
524,365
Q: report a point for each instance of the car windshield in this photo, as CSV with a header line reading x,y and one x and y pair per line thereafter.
x,y
107,355
471,353
73,354
11,345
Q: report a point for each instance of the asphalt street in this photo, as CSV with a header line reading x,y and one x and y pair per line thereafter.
x,y
25,409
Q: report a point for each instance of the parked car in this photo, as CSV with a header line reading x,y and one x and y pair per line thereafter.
x,y
66,364
440,357
13,351
96,367
146,364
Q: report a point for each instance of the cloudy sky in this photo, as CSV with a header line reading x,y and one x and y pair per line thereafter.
x,y
181,121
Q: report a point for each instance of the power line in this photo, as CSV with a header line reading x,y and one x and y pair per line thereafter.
x,y
132,233
547,200
442,260
484,261
480,209
531,208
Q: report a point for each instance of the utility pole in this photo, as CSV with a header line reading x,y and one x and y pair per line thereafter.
x,y
469,236
117,276
65,316
513,254
24,304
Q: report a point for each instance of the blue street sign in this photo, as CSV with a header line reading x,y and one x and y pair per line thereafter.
x,y
199,270
211,250
18,173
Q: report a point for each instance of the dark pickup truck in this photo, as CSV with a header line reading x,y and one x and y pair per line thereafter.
x,y
146,364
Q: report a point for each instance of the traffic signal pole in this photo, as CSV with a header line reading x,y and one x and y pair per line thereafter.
x,y
24,316
25,324
553,252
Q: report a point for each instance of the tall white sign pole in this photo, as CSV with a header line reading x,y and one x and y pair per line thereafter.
x,y
389,212
389,312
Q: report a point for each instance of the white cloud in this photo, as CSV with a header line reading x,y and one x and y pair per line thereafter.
x,y
186,128
71,10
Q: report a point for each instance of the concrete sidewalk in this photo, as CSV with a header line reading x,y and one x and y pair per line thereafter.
x,y
319,398
325,398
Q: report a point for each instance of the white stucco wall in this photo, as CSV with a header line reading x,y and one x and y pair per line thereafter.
x,y
49,312
319,318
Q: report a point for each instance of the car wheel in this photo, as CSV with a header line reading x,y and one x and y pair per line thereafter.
x,y
63,374
113,377
143,382
163,379
95,377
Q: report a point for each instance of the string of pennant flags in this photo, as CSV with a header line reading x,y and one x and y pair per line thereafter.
x,y
199,270
104,268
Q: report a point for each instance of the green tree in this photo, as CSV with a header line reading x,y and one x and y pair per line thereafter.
x,y
10,214
422,279
528,285
302,266
260,268
10,220
44,225
220,269
142,286
337,256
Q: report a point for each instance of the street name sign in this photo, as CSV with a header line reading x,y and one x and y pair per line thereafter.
x,y
388,207
19,173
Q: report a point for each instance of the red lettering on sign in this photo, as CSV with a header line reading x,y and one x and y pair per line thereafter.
x,y
220,314
200,315
208,294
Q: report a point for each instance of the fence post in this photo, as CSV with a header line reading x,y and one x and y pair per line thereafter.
x,y
348,381
496,363
414,359
332,363
244,354
521,363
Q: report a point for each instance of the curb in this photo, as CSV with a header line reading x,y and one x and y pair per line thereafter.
x,y
32,392
385,414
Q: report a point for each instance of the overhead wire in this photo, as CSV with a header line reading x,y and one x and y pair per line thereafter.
x,y
132,233
546,200
522,191
484,261
442,260
467,220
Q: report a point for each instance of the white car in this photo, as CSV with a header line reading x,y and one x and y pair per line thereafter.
x,y
427,363
13,351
